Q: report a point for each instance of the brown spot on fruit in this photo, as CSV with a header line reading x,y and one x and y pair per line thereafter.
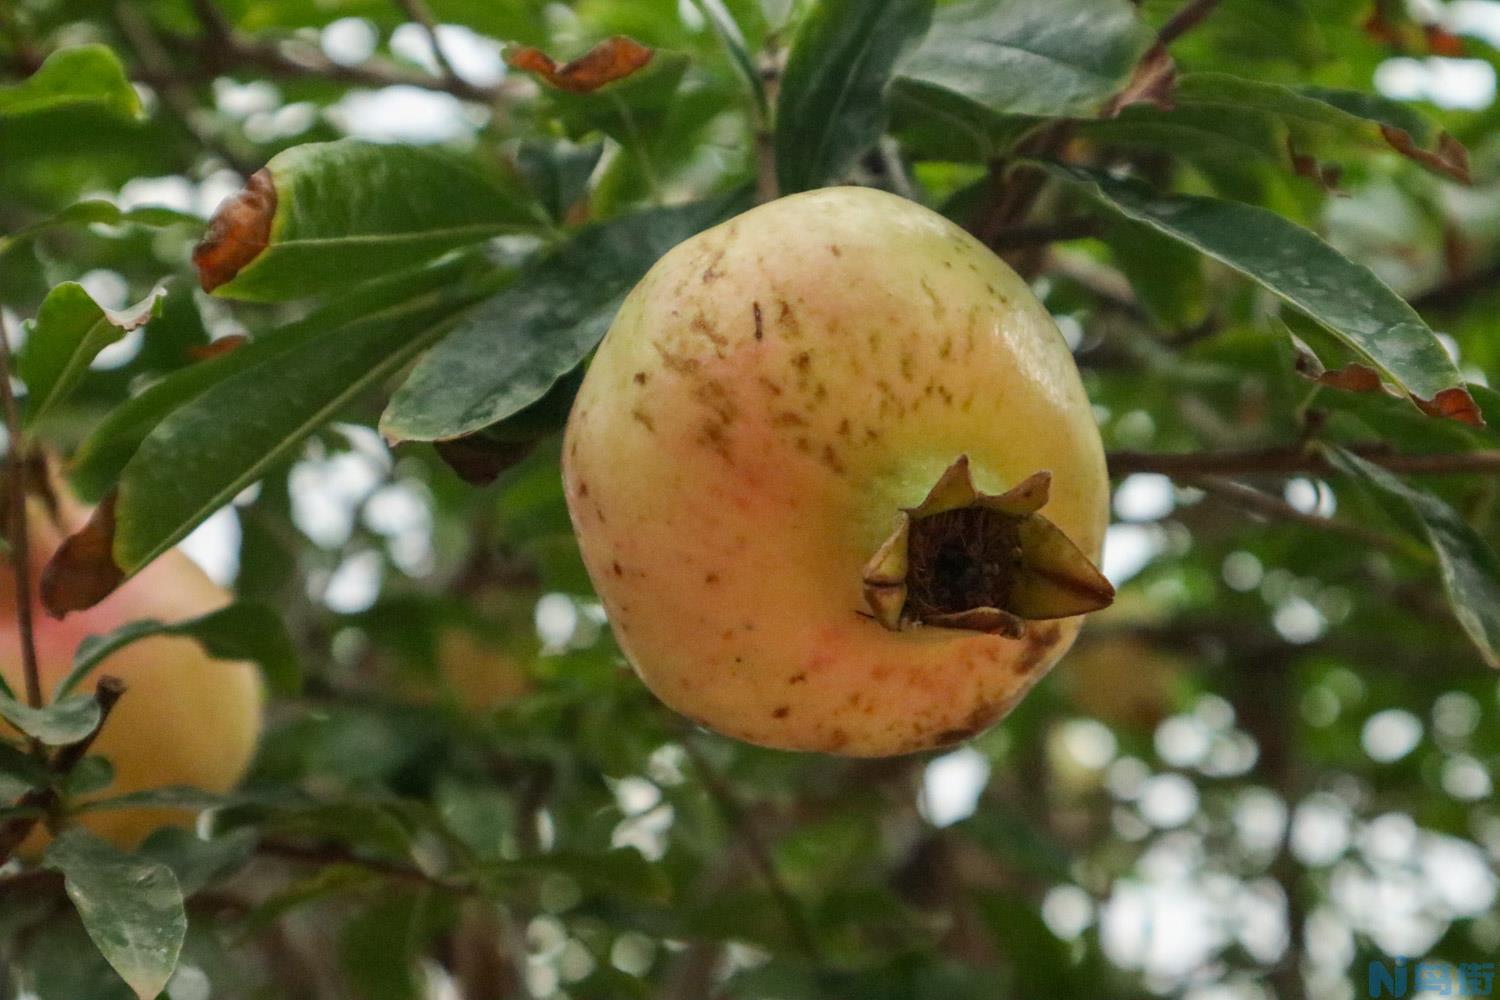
x,y
833,249
641,417
711,578
831,459
782,712
760,330
802,361
797,678
618,569
641,378
711,273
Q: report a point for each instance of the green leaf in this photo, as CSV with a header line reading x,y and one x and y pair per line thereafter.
x,y
1469,568
97,464
729,33
86,76
242,631
1368,118
557,172
198,458
513,348
1292,262
20,772
92,774
347,211
1033,58
97,211
831,108
131,907
70,329
58,724
198,862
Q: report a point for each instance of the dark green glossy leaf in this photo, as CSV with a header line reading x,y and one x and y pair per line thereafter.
x,y
348,211
63,722
132,908
85,76
1037,58
69,332
242,631
200,456
97,464
1296,265
511,350
831,108
1469,568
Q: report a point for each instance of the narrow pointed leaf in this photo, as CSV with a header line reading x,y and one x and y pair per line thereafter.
x,y
97,464
1469,568
242,631
831,108
514,347
204,453
1345,297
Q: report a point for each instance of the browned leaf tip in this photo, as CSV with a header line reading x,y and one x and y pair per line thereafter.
x,y
1379,27
612,59
1441,42
238,232
1455,404
479,461
1153,82
82,571
1450,157
217,348
1325,175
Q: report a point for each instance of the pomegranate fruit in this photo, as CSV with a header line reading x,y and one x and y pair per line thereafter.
x,y
835,479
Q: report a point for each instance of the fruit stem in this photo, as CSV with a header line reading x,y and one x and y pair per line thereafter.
x,y
15,463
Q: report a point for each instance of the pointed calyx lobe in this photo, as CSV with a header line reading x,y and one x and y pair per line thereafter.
x,y
987,563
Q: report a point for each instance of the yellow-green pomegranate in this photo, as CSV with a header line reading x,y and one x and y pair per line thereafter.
x,y
185,719
836,480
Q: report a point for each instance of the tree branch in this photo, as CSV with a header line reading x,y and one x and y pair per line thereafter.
x,y
1258,502
737,818
419,13
223,47
1287,461
1185,20
16,527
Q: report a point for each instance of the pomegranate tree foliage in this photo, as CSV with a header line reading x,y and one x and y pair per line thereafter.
x,y
1277,282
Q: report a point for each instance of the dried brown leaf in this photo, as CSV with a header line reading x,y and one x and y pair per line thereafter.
x,y
612,59
1153,82
1450,157
83,572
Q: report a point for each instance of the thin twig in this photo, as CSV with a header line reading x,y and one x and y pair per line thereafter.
x,y
1185,20
175,94
222,47
1259,502
1296,461
419,13
44,801
740,821
15,464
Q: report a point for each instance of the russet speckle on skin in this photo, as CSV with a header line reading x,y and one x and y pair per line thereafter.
x,y
767,400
